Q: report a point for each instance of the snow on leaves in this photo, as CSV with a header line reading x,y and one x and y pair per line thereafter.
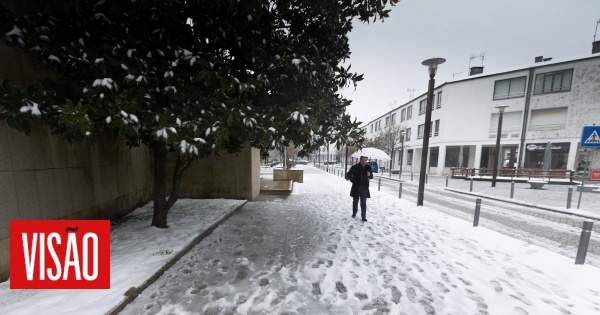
x,y
31,107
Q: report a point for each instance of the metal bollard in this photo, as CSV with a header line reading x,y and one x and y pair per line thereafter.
x,y
512,189
379,185
477,211
400,174
411,176
569,197
471,188
426,175
584,241
446,180
400,191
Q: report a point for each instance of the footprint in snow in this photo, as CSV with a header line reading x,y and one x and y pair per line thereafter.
x,y
442,287
497,286
361,296
411,294
481,306
396,295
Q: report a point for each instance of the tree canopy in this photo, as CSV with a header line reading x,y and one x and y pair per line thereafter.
x,y
194,77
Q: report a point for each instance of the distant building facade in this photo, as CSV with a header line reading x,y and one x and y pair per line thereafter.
x,y
548,102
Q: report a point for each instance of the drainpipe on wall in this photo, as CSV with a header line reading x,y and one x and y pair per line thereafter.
x,y
525,118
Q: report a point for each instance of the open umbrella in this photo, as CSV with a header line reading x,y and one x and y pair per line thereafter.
x,y
372,153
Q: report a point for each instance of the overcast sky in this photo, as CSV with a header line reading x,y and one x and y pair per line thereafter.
x,y
511,33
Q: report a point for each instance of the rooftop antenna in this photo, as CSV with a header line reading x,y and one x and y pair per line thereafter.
x,y
596,29
411,93
482,56
454,74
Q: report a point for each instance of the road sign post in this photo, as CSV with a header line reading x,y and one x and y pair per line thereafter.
x,y
590,138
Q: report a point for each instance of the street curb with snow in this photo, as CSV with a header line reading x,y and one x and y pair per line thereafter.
x,y
520,203
133,292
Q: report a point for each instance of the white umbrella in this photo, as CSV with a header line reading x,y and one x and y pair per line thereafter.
x,y
372,153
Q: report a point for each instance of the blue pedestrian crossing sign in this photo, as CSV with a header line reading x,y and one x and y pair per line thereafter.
x,y
590,137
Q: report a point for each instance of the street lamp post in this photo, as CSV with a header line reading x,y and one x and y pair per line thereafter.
x,y
401,152
501,113
433,65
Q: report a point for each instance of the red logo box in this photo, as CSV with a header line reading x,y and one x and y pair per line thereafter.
x,y
60,254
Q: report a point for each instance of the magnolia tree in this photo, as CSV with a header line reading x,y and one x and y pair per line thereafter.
x,y
195,78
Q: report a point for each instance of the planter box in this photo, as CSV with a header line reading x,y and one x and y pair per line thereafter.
x,y
537,184
295,175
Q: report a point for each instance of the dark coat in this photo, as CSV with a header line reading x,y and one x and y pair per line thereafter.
x,y
358,176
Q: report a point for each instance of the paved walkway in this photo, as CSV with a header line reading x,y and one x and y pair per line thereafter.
x,y
299,255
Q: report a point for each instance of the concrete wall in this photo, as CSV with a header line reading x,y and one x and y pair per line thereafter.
x,y
229,176
44,177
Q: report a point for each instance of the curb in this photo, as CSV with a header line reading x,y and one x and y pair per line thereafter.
x,y
520,203
133,292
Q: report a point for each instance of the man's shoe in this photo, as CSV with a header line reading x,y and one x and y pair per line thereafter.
x,y
364,220
354,215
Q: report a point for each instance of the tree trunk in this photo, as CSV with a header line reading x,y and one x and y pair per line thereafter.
x,y
161,204
159,217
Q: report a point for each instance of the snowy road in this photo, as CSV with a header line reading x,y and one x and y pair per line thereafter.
x,y
554,231
303,254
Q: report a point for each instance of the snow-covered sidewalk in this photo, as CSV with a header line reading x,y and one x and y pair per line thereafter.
x,y
138,251
551,196
304,254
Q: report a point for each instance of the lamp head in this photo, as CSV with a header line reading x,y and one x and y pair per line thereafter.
x,y
433,63
501,108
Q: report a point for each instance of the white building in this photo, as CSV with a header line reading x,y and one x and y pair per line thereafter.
x,y
549,101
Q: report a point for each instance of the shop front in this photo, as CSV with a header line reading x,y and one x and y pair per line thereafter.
x,y
535,152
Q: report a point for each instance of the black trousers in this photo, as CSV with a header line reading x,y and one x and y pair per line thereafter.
x,y
362,195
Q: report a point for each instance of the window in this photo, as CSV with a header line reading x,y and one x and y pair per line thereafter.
x,y
422,107
437,128
407,134
409,157
430,128
393,118
454,158
420,131
511,123
403,115
557,81
510,88
548,119
387,121
371,128
409,112
433,156
439,100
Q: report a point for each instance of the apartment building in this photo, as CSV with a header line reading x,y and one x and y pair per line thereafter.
x,y
548,102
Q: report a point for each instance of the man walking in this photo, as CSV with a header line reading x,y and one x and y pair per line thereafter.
x,y
359,175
